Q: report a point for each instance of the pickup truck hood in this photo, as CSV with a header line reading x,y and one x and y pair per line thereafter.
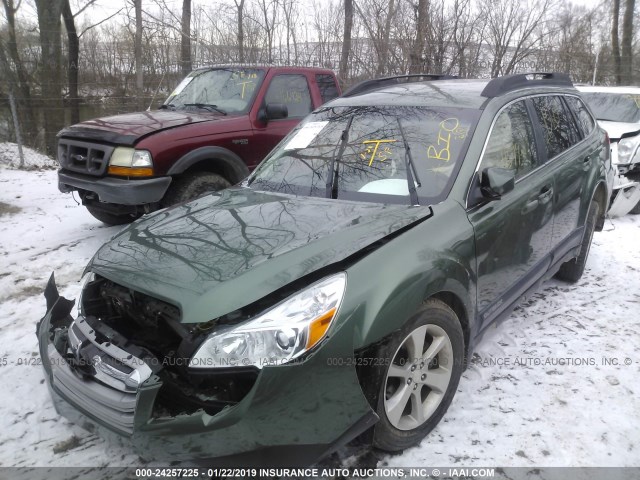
x,y
128,128
617,130
222,252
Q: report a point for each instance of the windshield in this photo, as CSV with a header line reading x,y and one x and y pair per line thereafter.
x,y
614,107
377,154
227,89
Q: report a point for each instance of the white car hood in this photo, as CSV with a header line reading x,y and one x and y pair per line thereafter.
x,y
616,130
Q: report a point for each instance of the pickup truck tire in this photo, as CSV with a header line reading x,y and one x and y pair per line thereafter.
x,y
572,270
193,185
112,218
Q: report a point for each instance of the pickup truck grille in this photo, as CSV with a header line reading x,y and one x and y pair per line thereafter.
x,y
83,157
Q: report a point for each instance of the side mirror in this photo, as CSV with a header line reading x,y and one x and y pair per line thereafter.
x,y
496,181
274,111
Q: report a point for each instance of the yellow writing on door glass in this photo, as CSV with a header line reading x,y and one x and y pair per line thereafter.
x,y
373,151
449,127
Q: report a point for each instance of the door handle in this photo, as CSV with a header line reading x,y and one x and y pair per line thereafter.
x,y
545,194
530,206
586,163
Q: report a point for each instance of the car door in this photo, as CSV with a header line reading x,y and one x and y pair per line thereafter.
x,y
569,160
291,90
512,234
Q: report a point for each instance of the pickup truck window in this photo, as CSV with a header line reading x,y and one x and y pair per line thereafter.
x,y
228,89
291,90
327,86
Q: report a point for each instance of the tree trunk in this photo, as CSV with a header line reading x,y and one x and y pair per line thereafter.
x,y
185,46
346,41
25,103
138,52
384,47
240,7
615,43
49,12
415,57
74,56
626,70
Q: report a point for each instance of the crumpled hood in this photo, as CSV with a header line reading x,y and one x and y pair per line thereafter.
x,y
616,130
130,127
220,253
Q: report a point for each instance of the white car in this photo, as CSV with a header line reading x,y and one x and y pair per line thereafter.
x,y
617,110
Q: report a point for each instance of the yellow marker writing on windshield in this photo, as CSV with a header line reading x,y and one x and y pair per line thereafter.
x,y
372,148
244,84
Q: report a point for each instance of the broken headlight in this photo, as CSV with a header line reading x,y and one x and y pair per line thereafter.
x,y
280,334
627,148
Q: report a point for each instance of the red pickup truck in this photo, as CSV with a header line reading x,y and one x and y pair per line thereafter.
x,y
213,129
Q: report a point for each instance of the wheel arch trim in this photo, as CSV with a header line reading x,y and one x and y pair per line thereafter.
x,y
224,157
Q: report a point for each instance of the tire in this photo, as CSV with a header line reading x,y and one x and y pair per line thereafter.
x,y
193,185
635,210
412,397
572,270
112,218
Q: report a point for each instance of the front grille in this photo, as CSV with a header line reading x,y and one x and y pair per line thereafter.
x,y
84,157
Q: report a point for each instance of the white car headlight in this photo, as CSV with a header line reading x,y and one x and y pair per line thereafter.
x,y
132,162
278,335
626,149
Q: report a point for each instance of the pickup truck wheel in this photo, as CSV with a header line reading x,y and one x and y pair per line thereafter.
x,y
572,270
193,185
422,366
112,218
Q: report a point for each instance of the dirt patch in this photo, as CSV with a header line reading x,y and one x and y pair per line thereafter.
x,y
8,209
66,445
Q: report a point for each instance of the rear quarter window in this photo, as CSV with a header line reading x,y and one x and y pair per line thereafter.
x,y
559,130
327,86
586,123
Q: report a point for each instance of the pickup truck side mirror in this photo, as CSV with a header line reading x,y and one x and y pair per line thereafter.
x,y
274,111
496,181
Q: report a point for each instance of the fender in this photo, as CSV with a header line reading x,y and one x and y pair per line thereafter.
x,y
231,162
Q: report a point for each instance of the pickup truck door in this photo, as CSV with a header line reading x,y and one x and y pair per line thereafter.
x,y
292,90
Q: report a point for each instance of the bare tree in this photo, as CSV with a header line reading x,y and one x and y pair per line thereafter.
x,y
627,41
615,42
240,36
49,12
346,40
185,45
138,50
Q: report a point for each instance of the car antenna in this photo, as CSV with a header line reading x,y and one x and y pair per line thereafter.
x,y
156,92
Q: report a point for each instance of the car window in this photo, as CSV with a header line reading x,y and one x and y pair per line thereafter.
x,y
559,130
585,120
512,143
364,148
292,91
327,86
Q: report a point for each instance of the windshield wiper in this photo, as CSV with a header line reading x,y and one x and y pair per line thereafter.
x,y
167,106
408,160
332,177
208,106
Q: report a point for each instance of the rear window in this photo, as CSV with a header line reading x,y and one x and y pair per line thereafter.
x,y
585,120
559,129
327,86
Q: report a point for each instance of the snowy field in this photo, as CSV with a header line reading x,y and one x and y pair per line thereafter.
x,y
556,384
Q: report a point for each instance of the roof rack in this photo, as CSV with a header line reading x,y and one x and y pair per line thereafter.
x,y
501,85
374,83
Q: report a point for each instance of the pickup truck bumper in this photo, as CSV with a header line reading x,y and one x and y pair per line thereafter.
x,y
116,190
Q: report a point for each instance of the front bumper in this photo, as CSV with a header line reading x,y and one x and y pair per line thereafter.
x,y
293,415
116,190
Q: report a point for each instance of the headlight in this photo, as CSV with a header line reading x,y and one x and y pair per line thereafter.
x,y
130,162
626,149
279,335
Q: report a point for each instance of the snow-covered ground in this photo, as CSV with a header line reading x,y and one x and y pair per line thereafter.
x,y
555,385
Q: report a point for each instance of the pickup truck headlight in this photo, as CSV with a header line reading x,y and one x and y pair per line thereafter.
x,y
278,335
131,162
626,149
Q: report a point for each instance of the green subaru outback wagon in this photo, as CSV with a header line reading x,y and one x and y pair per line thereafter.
x,y
337,292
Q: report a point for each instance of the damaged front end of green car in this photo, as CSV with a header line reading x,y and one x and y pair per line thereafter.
x,y
292,414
